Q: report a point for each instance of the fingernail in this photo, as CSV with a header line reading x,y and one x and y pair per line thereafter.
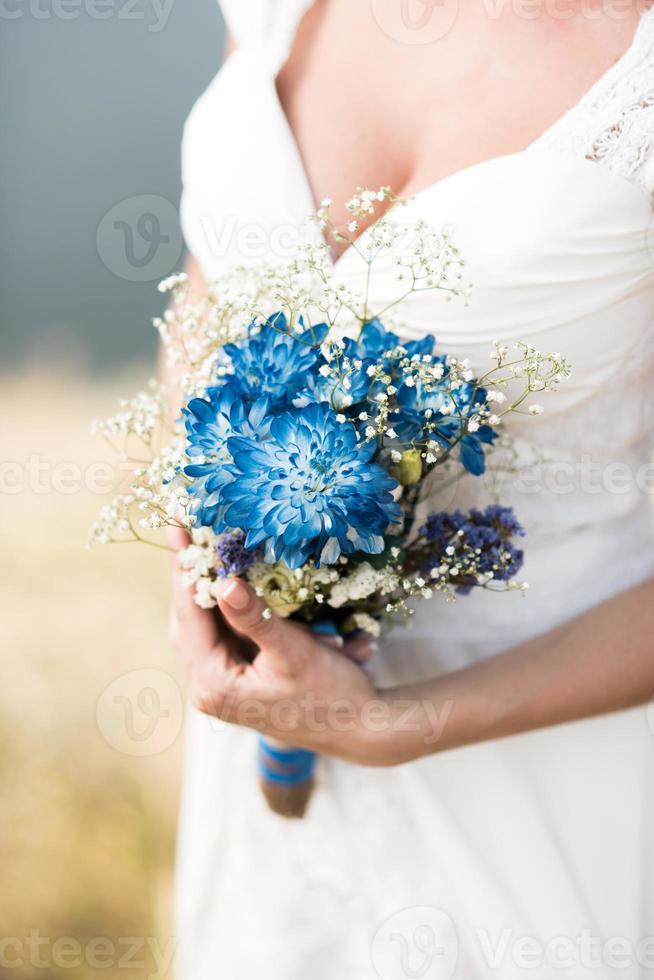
x,y
367,652
235,594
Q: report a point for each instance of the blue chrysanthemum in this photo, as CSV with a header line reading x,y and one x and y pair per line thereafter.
x,y
310,490
210,422
340,388
375,340
446,427
454,430
274,361
340,393
348,388
415,400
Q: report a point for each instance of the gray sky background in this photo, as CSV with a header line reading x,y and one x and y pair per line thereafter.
x,y
94,96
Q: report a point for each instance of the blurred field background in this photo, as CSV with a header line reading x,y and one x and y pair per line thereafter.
x,y
91,710
86,827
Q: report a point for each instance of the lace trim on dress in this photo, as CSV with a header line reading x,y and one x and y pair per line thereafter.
x,y
613,125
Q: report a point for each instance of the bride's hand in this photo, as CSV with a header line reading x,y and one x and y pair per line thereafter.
x,y
279,678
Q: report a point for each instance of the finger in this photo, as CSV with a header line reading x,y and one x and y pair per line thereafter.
x,y
213,687
361,649
177,538
194,629
333,640
244,612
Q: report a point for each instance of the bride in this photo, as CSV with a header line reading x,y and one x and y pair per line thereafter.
x,y
501,823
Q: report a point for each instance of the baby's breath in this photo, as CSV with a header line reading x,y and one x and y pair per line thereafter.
x,y
149,435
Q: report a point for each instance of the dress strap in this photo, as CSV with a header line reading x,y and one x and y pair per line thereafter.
x,y
266,26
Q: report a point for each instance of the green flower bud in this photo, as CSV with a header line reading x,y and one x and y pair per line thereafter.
x,y
409,470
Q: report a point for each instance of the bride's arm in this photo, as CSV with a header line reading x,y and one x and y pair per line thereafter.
x,y
600,661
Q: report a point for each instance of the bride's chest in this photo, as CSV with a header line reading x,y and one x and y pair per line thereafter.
x,y
375,97
558,249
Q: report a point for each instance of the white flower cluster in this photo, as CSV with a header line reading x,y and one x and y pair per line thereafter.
x,y
198,563
139,417
361,583
367,623
525,368
195,328
148,434
113,520
426,259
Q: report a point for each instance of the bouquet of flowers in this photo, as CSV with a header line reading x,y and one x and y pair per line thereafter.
x,y
309,434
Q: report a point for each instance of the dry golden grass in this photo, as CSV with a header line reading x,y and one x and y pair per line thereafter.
x,y
86,830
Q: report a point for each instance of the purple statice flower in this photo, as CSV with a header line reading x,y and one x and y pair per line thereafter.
x,y
486,535
233,557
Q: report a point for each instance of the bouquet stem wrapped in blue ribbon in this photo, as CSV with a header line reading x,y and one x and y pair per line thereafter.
x,y
312,438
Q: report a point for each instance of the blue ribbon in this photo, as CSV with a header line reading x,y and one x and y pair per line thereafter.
x,y
293,766
324,627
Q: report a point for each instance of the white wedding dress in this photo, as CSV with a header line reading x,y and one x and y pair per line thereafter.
x,y
528,857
